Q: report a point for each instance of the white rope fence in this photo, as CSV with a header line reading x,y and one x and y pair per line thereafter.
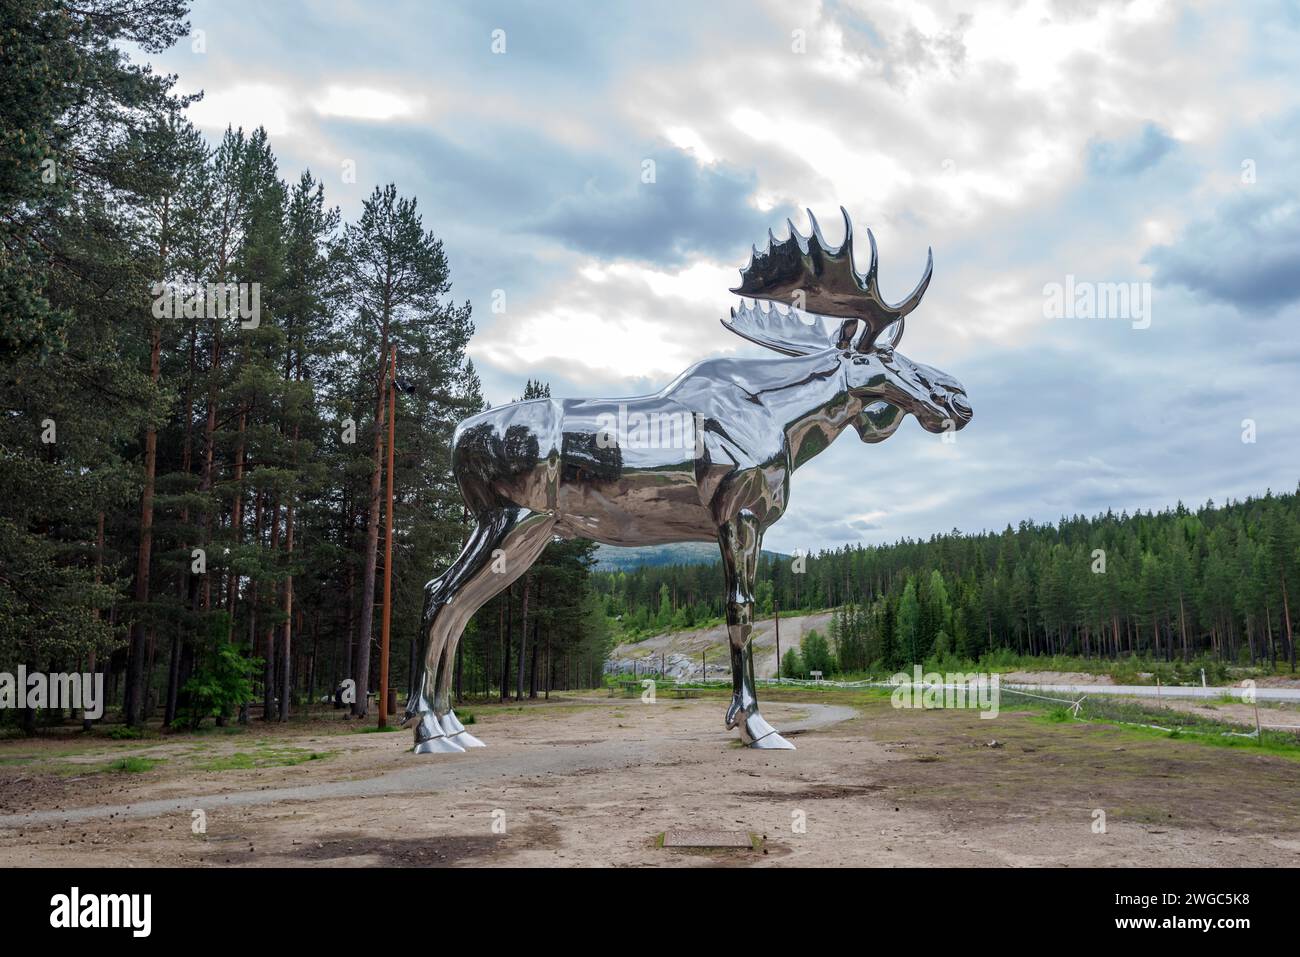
x,y
1073,704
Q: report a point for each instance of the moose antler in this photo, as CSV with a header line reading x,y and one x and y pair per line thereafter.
x,y
783,330
809,273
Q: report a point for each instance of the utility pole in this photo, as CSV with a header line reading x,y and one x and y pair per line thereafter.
x,y
388,546
776,607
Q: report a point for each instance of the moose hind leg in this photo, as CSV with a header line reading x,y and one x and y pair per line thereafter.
x,y
740,541
505,543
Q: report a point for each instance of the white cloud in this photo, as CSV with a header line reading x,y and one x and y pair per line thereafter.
x,y
620,322
365,103
969,132
249,105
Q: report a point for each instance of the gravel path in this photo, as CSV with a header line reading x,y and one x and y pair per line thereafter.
x,y
479,768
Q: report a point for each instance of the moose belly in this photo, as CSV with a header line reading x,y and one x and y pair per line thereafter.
x,y
627,473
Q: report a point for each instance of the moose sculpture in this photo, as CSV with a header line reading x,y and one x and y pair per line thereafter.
x,y
707,459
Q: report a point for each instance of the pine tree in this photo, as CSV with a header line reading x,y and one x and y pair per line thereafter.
x,y
396,273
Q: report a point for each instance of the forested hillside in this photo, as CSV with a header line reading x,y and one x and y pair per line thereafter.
x,y
1219,581
195,357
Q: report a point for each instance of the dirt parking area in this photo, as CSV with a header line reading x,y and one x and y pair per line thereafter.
x,y
592,780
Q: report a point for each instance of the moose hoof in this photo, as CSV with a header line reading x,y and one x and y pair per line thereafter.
x,y
438,746
456,732
772,742
757,733
431,739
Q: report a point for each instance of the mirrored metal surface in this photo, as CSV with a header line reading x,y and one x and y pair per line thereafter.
x,y
709,458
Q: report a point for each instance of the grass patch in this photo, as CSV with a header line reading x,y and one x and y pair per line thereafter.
x,y
133,765
264,757
1135,718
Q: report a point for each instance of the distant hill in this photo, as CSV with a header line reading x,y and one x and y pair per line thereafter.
x,y
610,558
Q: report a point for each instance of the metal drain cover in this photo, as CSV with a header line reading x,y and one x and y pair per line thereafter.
x,y
687,838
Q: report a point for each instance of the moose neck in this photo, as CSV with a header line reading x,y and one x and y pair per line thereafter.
x,y
813,406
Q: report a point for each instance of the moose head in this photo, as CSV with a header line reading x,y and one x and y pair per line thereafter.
x,y
814,278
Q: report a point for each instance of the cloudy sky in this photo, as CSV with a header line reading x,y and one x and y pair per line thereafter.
x,y
1029,144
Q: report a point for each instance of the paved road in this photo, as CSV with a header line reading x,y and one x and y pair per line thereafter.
x,y
1164,691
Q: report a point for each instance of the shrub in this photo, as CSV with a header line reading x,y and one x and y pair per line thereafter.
x,y
817,654
219,686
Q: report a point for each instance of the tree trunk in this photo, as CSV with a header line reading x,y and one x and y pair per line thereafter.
x,y
1268,630
136,660
1286,617
349,650
1182,624
209,453
532,678
99,573
268,666
236,518
505,643
523,638
286,677
371,555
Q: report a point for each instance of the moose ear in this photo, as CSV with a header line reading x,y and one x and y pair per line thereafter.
x,y
845,338
883,340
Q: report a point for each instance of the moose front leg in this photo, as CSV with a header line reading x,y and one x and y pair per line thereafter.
x,y
740,540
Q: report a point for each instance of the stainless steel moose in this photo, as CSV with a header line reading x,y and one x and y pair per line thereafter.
x,y
707,459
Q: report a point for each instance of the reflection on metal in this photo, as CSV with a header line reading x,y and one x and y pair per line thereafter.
x,y
707,459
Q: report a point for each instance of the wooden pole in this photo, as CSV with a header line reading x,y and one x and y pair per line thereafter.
x,y
776,607
388,546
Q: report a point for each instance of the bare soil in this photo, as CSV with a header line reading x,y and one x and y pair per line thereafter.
x,y
594,780
1277,715
1057,678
